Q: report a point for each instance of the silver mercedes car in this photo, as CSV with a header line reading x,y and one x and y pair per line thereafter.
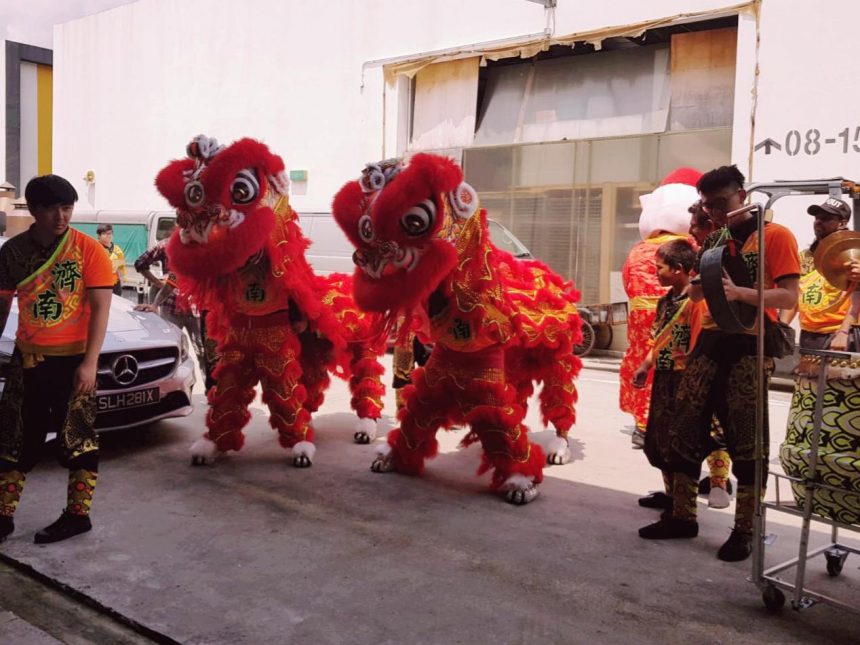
x,y
146,368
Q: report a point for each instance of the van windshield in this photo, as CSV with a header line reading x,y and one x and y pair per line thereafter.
x,y
506,241
164,228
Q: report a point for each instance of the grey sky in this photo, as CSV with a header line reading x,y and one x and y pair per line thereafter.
x,y
32,21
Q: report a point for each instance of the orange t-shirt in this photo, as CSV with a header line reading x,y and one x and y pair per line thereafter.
x,y
782,260
821,307
53,311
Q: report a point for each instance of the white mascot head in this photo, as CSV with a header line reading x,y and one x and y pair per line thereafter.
x,y
665,209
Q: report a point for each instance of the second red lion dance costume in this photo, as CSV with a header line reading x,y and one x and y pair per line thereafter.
x,y
497,323
239,252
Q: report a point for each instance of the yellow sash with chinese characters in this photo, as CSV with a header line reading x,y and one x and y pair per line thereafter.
x,y
53,314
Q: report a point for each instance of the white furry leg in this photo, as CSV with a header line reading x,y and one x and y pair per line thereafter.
x,y
558,451
519,489
303,454
383,462
365,430
203,451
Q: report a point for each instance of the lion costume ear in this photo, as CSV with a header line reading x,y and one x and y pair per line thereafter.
x,y
171,180
347,208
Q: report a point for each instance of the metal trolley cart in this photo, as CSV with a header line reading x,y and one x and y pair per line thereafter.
x,y
835,553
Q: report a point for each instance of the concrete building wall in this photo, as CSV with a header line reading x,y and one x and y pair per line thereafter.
x,y
132,85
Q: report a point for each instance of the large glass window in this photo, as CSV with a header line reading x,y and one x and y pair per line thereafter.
x,y
575,205
605,94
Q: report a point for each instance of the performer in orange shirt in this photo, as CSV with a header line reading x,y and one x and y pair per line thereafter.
x,y
721,371
63,280
664,218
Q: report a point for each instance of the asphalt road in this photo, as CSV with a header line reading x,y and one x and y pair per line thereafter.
x,y
253,550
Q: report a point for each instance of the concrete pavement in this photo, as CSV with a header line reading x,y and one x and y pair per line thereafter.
x,y
253,550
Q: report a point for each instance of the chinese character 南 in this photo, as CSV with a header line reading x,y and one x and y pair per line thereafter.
x,y
255,293
813,295
460,329
47,307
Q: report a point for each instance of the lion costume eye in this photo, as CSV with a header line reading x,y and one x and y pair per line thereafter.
x,y
194,194
244,188
419,219
365,228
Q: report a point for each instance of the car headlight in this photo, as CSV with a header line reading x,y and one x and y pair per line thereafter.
x,y
183,348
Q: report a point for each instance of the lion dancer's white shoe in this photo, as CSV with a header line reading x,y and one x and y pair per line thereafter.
x,y
365,430
558,451
303,454
383,462
203,452
519,489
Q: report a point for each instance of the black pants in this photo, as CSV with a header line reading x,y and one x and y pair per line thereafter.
x,y
39,400
719,380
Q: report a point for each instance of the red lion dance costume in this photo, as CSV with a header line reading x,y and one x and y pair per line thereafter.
x,y
239,252
423,252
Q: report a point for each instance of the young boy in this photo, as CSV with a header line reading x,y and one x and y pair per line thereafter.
x,y
62,279
673,335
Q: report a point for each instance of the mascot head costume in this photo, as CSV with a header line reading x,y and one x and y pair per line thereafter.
x,y
665,209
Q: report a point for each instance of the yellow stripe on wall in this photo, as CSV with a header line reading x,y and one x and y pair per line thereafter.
x,y
44,107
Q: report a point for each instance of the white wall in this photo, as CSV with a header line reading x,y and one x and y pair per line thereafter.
x,y
134,84
805,84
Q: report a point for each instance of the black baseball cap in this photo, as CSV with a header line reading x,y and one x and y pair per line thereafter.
x,y
49,190
832,206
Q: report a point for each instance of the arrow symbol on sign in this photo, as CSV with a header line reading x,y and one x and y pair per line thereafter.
x,y
767,144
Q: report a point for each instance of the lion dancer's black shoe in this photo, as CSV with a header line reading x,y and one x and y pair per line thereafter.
x,y
681,522
11,486
739,545
75,519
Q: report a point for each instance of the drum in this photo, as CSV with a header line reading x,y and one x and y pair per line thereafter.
x,y
839,444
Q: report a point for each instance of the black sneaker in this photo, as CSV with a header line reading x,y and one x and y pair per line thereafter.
x,y
656,500
738,547
7,525
670,529
69,525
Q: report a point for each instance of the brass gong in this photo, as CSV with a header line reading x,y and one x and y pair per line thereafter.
x,y
833,252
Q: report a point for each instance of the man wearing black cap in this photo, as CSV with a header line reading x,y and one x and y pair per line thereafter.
x,y
823,309
63,281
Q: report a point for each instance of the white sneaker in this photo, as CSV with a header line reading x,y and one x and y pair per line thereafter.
x,y
718,498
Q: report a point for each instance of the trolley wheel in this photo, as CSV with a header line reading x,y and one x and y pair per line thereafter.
x,y
588,338
773,598
835,559
603,335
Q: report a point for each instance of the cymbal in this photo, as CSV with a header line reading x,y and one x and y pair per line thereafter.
x,y
833,252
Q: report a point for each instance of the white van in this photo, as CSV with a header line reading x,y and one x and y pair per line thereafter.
x,y
331,251
134,232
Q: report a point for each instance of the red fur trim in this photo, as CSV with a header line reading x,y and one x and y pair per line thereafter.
x,y
230,441
347,208
242,154
407,461
171,181
503,466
